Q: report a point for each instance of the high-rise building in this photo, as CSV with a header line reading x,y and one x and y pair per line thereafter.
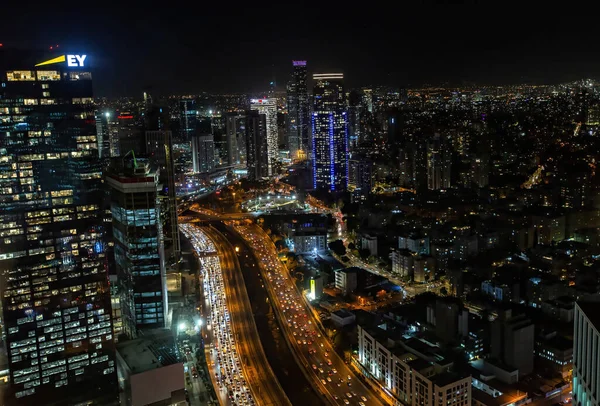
x,y
257,159
188,118
203,153
330,133
586,356
268,107
131,137
55,295
103,133
139,253
360,176
439,163
236,138
298,125
513,341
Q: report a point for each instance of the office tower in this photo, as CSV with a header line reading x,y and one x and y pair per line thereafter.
x,y
131,137
203,153
159,147
298,112
268,107
439,163
360,176
586,356
512,341
355,126
103,133
236,138
330,133
257,159
56,303
139,253
188,119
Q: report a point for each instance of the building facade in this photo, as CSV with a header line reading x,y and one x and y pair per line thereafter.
x,y
513,341
268,107
298,124
439,163
139,251
235,127
56,300
188,119
203,153
257,158
586,356
330,133
346,280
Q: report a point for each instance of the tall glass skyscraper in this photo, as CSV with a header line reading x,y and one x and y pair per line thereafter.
x,y
188,119
56,300
298,112
256,145
330,133
268,107
139,252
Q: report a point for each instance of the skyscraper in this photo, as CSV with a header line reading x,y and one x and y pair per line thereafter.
x,y
56,300
103,133
330,133
236,138
188,118
439,163
256,145
586,356
203,153
139,252
298,112
268,107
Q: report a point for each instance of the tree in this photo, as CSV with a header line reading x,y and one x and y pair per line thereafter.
x,y
443,291
338,247
364,253
351,246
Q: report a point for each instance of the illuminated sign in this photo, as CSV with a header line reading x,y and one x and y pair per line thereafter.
x,y
71,60
313,289
299,63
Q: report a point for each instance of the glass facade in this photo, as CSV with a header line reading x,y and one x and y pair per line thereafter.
x,y
56,301
268,107
256,145
298,112
139,255
330,133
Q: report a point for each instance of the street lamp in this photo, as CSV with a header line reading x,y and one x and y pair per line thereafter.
x,y
182,327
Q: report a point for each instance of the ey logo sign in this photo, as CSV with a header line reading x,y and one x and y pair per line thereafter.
x,y
71,60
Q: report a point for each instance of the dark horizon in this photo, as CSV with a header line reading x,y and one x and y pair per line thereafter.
x,y
232,50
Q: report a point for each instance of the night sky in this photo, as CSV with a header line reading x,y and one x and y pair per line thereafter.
x,y
186,50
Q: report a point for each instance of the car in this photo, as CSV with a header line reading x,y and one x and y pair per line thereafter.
x,y
323,382
361,404
334,370
314,366
346,401
348,394
328,379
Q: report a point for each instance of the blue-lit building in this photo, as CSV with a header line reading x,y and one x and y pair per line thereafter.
x,y
138,244
56,301
330,133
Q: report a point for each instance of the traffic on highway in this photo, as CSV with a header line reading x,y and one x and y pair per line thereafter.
x,y
227,368
331,376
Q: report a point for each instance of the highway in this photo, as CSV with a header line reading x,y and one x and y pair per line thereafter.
x,y
258,376
328,372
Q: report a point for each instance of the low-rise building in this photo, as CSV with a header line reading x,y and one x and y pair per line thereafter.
x,y
149,370
411,370
342,317
369,241
346,280
424,268
402,263
561,309
414,243
554,353
500,292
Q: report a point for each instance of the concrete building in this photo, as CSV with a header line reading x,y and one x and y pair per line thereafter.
x,y
554,354
307,234
412,371
561,309
316,287
512,341
402,263
149,370
586,356
342,317
346,280
424,268
450,319
414,243
500,292
368,241
203,153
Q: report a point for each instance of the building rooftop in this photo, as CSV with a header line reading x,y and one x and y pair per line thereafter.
x,y
446,378
343,313
156,349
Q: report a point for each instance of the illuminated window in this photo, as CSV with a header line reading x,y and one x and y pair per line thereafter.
x,y
47,101
20,76
80,76
48,75
45,86
46,94
30,102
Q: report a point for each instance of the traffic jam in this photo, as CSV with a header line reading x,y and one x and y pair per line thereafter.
x,y
227,365
309,341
